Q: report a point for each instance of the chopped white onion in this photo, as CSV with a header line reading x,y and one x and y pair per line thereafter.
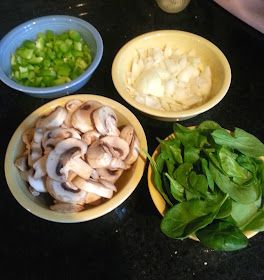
x,y
168,79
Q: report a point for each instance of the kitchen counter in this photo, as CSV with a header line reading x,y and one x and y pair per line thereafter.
x,y
127,243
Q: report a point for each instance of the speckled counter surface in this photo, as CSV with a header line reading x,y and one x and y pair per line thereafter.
x,y
127,243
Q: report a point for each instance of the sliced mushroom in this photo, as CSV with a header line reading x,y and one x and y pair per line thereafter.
x,y
35,153
93,187
53,136
54,119
97,157
67,207
33,191
71,106
109,175
117,146
90,136
39,167
127,133
36,184
117,163
108,185
133,151
27,137
66,157
81,118
94,175
22,164
93,199
105,121
61,192
78,166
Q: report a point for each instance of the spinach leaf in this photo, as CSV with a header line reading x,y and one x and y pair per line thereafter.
x,y
208,174
176,189
244,194
198,182
157,178
160,162
166,154
189,137
242,213
187,217
191,154
231,167
181,174
222,235
249,163
240,140
225,209
208,126
257,222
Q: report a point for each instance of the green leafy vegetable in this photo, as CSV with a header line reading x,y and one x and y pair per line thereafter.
x,y
240,140
212,181
186,217
222,236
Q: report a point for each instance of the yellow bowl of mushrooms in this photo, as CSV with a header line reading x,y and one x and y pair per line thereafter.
x,y
76,158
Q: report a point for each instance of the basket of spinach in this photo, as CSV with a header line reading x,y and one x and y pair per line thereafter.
x,y
212,181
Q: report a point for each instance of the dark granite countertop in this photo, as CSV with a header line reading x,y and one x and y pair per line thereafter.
x,y
127,243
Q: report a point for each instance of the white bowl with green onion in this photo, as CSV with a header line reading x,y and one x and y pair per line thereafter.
x,y
50,56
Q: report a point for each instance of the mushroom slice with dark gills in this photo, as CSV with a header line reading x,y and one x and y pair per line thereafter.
x,y
61,192
97,156
81,118
52,136
117,146
54,119
109,175
105,121
65,157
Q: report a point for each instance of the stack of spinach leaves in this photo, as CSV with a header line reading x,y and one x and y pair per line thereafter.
x,y
212,181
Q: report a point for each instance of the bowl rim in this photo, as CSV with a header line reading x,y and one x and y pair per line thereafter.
x,y
170,114
159,201
95,212
42,91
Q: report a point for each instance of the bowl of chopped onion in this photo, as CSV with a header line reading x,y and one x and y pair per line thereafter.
x,y
75,158
50,56
171,75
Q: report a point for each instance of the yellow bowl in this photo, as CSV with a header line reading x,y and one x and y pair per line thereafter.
x,y
210,55
37,206
160,203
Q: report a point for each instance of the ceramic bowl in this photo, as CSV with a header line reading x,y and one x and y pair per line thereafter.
x,y
158,200
126,184
184,41
58,24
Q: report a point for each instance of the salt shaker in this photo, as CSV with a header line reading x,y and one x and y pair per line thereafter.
x,y
172,6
